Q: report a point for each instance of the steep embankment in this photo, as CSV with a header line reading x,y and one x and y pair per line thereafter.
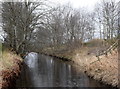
x,y
104,70
9,69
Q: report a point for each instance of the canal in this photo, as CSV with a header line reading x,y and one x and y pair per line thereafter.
x,y
45,71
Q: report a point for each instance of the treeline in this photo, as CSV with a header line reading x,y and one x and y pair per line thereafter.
x,y
38,25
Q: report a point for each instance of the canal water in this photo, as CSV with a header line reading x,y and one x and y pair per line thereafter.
x,y
45,71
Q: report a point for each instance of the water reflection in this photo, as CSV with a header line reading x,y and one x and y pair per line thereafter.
x,y
31,60
45,71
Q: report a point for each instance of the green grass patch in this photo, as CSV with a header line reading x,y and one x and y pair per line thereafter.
x,y
94,43
0,46
0,50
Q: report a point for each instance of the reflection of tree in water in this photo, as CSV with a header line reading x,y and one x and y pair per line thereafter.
x,y
52,72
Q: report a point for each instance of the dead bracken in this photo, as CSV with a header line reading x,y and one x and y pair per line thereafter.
x,y
9,73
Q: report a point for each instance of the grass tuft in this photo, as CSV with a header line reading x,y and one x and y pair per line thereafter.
x,y
8,59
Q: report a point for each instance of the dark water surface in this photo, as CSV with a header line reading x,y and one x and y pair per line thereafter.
x,y
44,71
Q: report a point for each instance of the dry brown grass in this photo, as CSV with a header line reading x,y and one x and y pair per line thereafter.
x,y
105,70
7,61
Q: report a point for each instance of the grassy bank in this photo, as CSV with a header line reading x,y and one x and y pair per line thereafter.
x,y
0,50
0,46
104,70
9,68
0,64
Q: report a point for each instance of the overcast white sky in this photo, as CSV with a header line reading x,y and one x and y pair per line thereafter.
x,y
78,3
89,4
75,3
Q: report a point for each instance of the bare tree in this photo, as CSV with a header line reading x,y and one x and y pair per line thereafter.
x,y
107,18
19,20
67,25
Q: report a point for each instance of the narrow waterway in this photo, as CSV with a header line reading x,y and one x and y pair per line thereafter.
x,y
45,71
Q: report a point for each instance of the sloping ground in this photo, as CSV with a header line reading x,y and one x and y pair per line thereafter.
x,y
9,69
1,66
105,70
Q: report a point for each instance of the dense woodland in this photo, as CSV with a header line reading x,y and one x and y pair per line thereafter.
x,y
36,25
